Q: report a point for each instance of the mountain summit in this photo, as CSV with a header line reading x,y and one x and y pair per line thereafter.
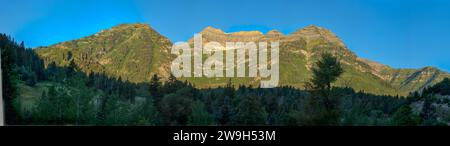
x,y
135,51
302,48
132,52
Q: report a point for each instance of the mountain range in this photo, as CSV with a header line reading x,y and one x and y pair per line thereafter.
x,y
135,52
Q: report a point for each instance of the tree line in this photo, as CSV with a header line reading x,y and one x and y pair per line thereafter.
x,y
71,97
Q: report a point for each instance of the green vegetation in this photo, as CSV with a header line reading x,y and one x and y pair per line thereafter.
x,y
132,52
136,52
63,86
327,70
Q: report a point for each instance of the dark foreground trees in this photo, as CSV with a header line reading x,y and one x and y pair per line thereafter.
x,y
9,78
67,96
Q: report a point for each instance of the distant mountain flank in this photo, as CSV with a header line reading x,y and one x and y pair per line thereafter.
x,y
136,51
133,52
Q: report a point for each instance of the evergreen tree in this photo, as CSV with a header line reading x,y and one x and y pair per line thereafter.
x,y
155,85
404,117
71,69
32,79
224,113
427,113
43,111
171,85
9,79
250,111
176,108
147,113
199,115
229,90
326,71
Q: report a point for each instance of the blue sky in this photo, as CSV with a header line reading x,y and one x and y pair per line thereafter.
x,y
399,33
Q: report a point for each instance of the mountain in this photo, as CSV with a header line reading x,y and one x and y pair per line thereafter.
x,y
135,51
300,49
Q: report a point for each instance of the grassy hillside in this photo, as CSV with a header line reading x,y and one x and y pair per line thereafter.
x,y
131,52
135,52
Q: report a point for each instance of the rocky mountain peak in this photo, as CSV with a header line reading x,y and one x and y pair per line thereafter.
x,y
215,34
211,29
429,70
274,33
312,32
132,26
309,30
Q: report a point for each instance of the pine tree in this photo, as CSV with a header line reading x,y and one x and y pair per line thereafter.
x,y
171,85
229,90
427,113
225,110
9,80
404,117
199,115
71,69
155,90
31,79
155,87
175,109
147,114
250,111
326,71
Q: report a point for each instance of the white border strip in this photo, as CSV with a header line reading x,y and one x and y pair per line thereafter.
x,y
1,95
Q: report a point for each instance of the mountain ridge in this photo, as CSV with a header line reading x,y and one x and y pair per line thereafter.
x,y
126,46
121,51
312,35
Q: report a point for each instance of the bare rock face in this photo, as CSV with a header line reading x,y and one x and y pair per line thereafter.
x,y
214,34
274,33
313,32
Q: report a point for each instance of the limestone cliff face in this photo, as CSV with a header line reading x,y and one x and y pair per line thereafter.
x,y
214,34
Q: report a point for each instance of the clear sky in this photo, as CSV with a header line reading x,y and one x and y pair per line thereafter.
x,y
399,33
